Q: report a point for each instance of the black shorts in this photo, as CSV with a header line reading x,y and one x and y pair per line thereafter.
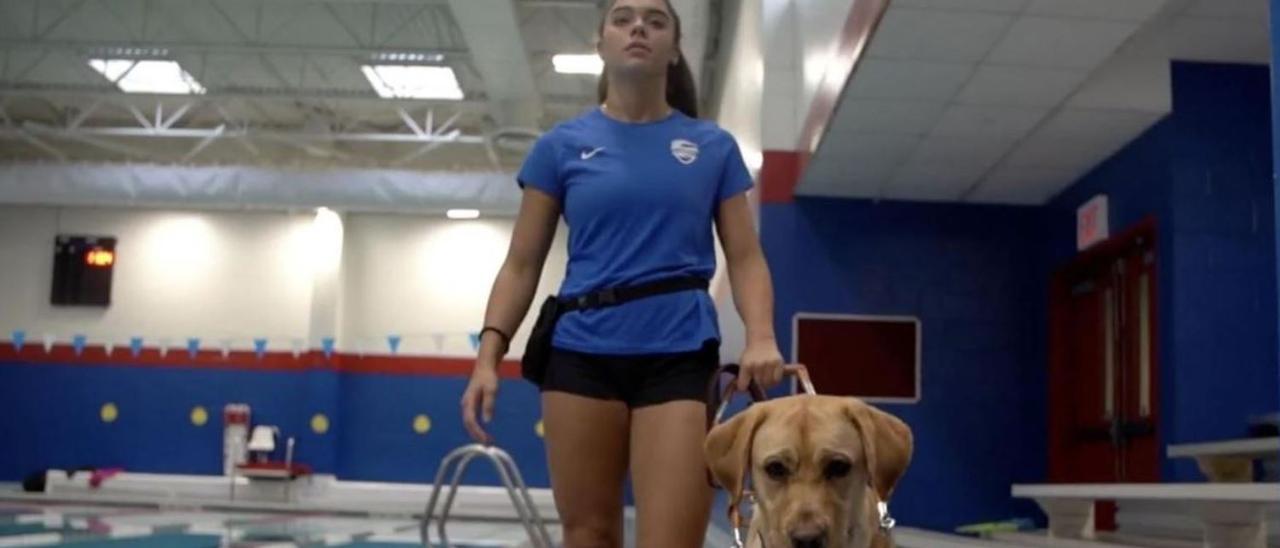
x,y
637,380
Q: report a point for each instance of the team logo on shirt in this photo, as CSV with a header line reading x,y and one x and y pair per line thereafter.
x,y
685,152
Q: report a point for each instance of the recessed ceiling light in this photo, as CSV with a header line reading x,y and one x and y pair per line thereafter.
x,y
463,214
413,82
568,63
147,76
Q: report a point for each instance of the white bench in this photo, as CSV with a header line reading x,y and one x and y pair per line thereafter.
x,y
1230,460
1040,540
908,537
1230,515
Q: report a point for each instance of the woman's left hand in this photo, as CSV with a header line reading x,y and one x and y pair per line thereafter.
x,y
761,362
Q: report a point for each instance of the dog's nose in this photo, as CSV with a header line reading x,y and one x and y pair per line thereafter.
x,y
809,539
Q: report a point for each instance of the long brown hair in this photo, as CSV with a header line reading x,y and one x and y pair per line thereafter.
x,y
682,91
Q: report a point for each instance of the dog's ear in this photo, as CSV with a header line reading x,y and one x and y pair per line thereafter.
x,y
886,442
728,449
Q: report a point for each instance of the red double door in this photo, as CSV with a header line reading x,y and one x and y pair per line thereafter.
x,y
1103,371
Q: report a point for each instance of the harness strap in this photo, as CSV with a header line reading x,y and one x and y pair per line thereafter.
x,y
617,295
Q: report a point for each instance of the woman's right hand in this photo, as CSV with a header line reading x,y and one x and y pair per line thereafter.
x,y
480,394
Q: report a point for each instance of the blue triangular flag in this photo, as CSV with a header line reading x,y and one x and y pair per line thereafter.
x,y
18,338
135,346
193,347
475,341
259,347
327,344
77,343
394,342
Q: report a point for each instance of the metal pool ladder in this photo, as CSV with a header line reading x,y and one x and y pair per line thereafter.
x,y
459,459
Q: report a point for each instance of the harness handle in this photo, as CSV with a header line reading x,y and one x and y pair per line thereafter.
x,y
718,400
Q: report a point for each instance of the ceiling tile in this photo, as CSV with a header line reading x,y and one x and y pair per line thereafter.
x,y
1085,124
1239,9
977,152
935,35
1041,151
1020,86
887,116
830,182
901,80
885,150
1026,186
1221,39
1060,42
1001,123
1137,78
1003,6
1123,10
933,182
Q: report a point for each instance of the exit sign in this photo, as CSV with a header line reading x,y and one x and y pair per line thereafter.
x,y
1092,222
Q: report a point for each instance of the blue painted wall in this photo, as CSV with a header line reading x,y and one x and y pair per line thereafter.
x,y
51,420
1204,174
977,277
970,275
1275,120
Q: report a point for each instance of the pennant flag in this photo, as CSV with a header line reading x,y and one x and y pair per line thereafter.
x,y
394,342
297,347
259,347
193,347
327,344
475,341
77,343
18,338
48,342
108,347
439,340
135,346
164,347
226,348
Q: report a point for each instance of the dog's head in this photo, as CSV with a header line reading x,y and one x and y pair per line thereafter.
x,y
818,466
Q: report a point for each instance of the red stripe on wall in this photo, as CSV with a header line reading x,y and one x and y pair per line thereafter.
x,y
248,361
858,30
778,176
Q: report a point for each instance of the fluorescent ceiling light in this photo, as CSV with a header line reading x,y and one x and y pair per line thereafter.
x,y
406,56
147,76
567,63
463,213
413,82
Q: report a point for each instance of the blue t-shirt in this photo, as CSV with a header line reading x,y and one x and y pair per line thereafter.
x,y
640,201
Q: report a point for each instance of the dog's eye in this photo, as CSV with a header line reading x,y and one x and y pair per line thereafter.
x,y
776,471
837,469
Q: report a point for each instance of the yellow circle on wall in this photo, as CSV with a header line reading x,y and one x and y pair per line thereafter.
x,y
538,429
422,424
199,416
109,412
319,423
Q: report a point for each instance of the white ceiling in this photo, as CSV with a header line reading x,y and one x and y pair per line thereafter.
x,y
1010,101
284,81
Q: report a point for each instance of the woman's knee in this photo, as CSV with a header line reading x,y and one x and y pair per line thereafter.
x,y
592,534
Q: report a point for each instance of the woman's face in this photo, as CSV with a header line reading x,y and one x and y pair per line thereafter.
x,y
639,37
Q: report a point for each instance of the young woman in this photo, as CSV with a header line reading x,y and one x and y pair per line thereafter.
x,y
641,183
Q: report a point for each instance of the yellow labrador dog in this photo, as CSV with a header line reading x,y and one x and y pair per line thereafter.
x,y
819,467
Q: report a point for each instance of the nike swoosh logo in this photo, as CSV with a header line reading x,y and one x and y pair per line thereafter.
x,y
589,154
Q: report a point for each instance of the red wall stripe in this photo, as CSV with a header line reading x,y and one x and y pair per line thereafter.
x,y
178,357
778,176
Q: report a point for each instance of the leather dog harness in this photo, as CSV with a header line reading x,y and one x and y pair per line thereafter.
x,y
718,401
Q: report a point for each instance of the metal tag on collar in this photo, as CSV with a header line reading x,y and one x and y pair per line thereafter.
x,y
886,521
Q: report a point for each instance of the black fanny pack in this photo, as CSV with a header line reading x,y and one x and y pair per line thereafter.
x,y
533,366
